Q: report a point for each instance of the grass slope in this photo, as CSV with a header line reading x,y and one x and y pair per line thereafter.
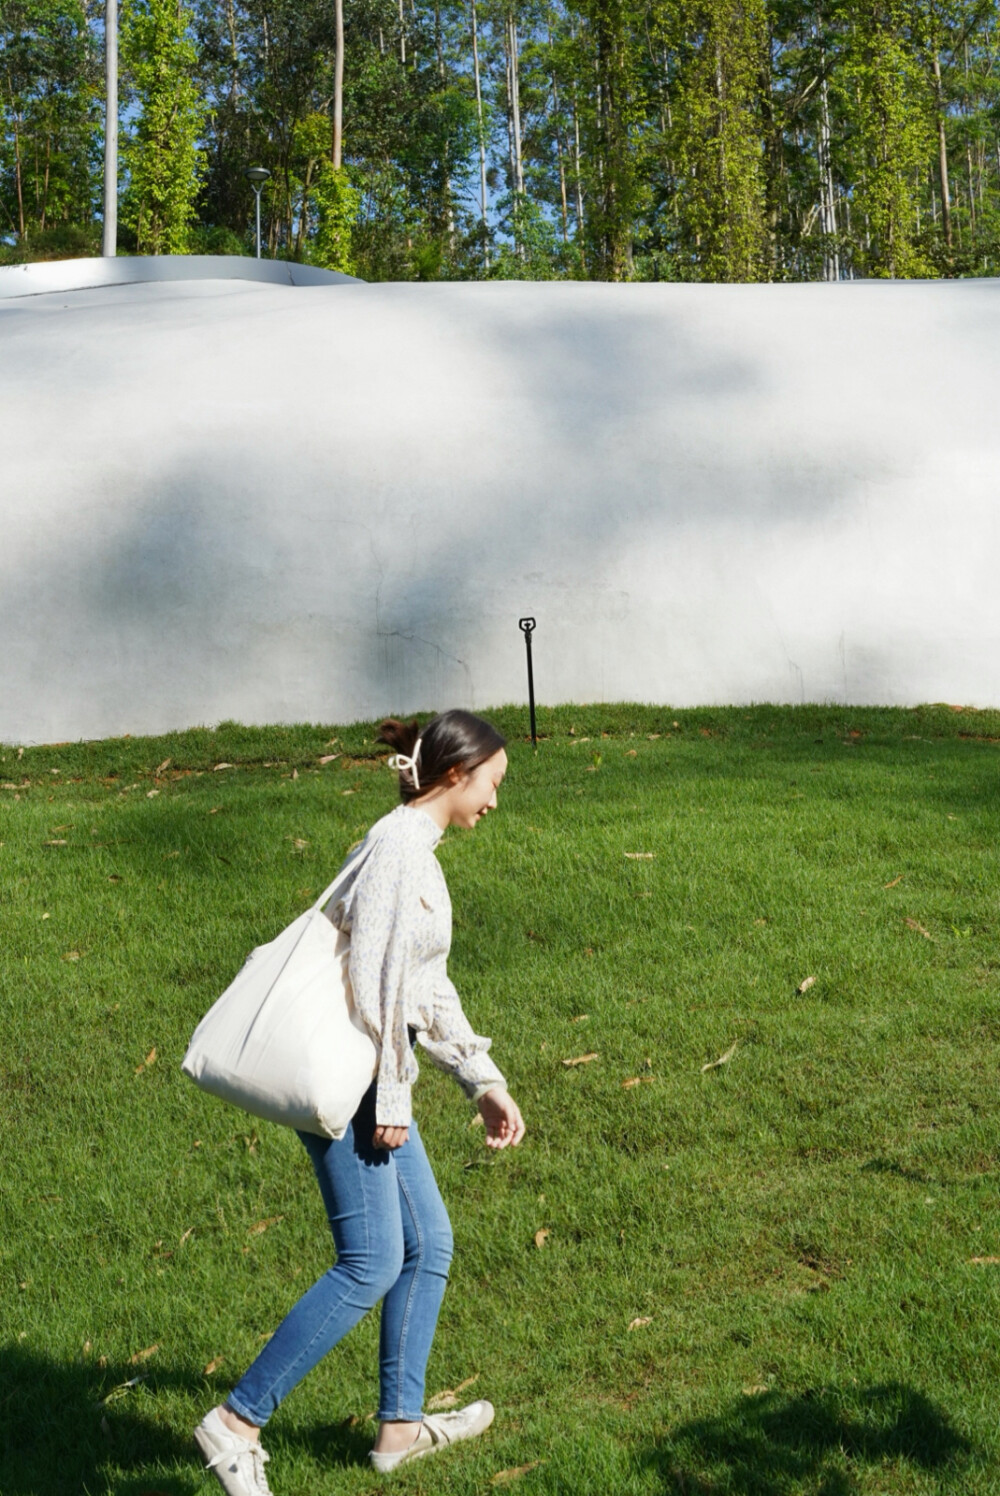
x,y
776,1276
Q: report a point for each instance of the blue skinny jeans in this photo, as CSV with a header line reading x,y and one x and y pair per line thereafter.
x,y
393,1240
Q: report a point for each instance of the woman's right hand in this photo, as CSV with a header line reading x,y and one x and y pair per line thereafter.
x,y
390,1137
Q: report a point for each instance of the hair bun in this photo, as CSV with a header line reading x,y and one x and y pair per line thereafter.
x,y
400,735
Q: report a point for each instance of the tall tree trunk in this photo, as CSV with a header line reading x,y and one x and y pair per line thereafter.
x,y
402,34
612,226
449,212
234,52
109,235
515,103
336,155
45,186
828,198
19,180
482,136
561,159
578,179
304,210
942,152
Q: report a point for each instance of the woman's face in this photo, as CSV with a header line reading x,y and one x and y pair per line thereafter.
x,y
476,793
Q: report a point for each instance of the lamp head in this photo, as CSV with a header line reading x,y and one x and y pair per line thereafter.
x,y
257,175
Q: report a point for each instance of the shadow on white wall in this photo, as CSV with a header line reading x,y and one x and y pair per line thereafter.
x,y
244,499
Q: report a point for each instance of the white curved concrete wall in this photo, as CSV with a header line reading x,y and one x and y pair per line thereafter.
x,y
275,502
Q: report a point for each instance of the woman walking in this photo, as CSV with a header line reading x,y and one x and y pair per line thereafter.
x,y
389,1223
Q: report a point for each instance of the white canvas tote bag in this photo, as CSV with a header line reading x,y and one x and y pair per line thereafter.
x,y
284,1040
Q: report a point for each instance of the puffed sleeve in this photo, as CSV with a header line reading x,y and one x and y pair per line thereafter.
x,y
451,1044
381,932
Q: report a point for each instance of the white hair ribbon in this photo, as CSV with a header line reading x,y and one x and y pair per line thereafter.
x,y
404,763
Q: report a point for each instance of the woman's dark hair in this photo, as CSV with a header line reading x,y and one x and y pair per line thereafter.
x,y
453,740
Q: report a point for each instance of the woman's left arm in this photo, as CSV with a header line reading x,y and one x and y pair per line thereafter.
x,y
452,1045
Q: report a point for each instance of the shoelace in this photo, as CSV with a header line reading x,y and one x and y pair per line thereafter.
x,y
259,1458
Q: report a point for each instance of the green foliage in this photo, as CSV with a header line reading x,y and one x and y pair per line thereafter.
x,y
48,124
675,139
888,106
336,210
161,153
775,1277
716,141
613,123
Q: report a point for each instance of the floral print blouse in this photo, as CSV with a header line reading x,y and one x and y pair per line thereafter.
x,y
398,913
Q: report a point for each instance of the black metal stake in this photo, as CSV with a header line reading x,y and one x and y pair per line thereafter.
x,y
527,625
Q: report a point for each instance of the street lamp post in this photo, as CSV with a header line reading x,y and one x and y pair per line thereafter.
x,y
257,176
109,233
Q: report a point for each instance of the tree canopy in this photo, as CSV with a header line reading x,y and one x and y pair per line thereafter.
x,y
721,140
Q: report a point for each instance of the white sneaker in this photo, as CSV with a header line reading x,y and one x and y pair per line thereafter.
x,y
436,1432
237,1463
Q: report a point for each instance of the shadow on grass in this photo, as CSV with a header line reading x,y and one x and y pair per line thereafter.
x,y
774,1444
64,1426
78,1429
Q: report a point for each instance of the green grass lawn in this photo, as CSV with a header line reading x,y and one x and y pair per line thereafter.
x,y
778,1275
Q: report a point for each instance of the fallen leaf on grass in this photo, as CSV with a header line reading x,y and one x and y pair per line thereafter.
x,y
160,767
637,1324
582,1059
635,1080
915,925
754,1391
151,793
542,1236
141,1356
213,1365
262,1226
631,753
722,1060
895,882
983,1261
72,956
805,984
640,856
328,758
580,1018
114,877
120,1390
149,1060
513,1473
190,1229
59,841
449,1397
